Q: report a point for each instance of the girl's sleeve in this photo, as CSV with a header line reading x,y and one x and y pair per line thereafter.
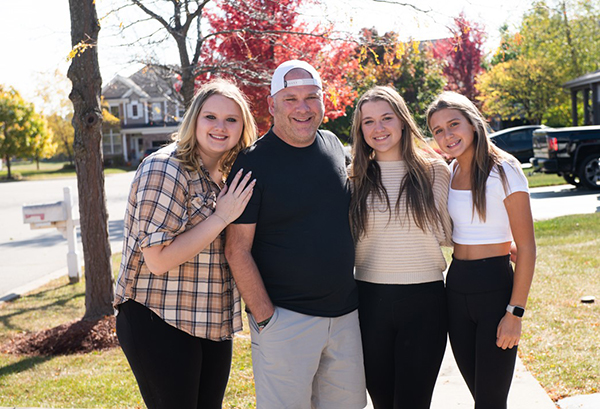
x,y
517,182
161,198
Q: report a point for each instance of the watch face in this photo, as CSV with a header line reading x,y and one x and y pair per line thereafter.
x,y
518,311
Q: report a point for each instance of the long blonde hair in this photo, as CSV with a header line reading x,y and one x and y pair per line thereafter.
x,y
187,144
487,155
365,173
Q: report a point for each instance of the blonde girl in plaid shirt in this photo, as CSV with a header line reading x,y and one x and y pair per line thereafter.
x,y
177,303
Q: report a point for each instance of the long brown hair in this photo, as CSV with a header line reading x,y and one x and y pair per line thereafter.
x,y
187,144
487,155
365,173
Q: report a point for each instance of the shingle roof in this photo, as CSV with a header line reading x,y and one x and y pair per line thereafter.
x,y
149,82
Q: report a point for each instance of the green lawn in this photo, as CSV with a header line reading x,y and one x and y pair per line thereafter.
x,y
96,380
27,170
542,179
560,345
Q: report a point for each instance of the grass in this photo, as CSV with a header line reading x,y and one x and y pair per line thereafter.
x,y
27,170
560,346
97,380
543,179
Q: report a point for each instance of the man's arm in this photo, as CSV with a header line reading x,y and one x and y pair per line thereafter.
x,y
238,246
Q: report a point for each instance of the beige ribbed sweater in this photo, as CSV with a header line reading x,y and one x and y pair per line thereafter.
x,y
396,251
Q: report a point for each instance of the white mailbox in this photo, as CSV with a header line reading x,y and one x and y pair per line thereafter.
x,y
44,214
59,215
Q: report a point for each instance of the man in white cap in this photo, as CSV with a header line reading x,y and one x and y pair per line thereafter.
x,y
292,255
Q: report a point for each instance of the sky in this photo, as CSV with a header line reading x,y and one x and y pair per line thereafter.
x,y
35,34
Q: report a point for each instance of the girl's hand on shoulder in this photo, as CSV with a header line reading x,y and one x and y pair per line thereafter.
x,y
509,331
233,199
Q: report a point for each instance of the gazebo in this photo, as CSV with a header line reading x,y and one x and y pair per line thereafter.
x,y
590,85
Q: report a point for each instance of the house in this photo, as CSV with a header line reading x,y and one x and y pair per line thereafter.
x,y
149,111
589,85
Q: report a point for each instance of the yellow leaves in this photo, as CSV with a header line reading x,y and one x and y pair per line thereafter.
x,y
78,50
518,38
333,96
415,47
400,49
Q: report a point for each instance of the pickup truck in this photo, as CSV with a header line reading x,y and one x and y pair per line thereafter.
x,y
573,153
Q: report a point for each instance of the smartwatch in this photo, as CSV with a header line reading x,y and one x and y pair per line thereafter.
x,y
515,310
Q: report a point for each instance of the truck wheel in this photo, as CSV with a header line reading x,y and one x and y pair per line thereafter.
x,y
589,171
572,179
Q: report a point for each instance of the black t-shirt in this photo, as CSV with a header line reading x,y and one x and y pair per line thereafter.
x,y
302,246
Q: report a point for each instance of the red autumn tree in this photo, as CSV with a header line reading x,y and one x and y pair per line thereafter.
x,y
463,54
255,36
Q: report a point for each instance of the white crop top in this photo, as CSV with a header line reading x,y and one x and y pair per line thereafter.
x,y
468,227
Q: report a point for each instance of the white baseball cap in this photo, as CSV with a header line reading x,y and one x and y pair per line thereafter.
x,y
278,81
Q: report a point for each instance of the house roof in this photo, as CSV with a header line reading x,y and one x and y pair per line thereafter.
x,y
147,83
587,79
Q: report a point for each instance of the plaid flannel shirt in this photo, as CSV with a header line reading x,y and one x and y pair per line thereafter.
x,y
199,296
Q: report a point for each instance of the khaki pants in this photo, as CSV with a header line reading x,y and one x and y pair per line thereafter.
x,y
303,362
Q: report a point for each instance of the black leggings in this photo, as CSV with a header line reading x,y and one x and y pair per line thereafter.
x,y
403,331
173,369
478,293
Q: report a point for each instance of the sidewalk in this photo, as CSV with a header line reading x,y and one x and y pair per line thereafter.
x,y
451,392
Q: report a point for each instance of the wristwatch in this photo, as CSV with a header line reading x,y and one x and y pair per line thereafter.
x,y
264,323
515,310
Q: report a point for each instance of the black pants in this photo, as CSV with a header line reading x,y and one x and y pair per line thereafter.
x,y
403,331
478,293
173,369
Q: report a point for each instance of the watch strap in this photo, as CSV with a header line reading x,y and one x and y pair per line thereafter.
x,y
515,310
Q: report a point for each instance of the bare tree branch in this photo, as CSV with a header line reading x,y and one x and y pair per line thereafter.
x,y
153,15
404,5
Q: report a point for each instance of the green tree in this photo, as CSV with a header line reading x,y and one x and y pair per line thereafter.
x,y
509,47
520,89
42,140
555,43
407,66
63,135
565,32
52,99
23,133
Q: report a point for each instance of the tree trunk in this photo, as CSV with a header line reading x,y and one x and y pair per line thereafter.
x,y
8,174
84,73
187,86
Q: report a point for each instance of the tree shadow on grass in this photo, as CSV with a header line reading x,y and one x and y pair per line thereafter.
x,y
11,311
23,365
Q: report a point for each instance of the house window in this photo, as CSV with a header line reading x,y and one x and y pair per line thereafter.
x,y
157,111
112,143
114,110
134,110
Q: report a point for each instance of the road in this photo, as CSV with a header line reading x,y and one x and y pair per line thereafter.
x,y
27,255
33,256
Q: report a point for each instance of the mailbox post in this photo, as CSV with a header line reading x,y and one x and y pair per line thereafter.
x,y
60,216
